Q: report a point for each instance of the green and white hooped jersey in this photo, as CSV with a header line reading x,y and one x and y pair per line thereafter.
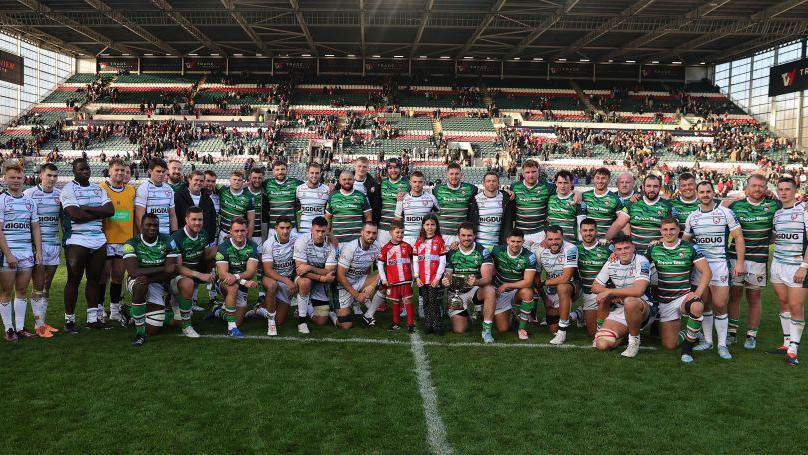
x,y
590,260
258,206
790,234
489,221
646,218
390,190
467,263
236,257
347,214
48,210
413,209
233,205
684,209
281,196
157,199
624,275
150,254
358,260
671,268
312,204
710,231
281,255
510,268
454,205
531,205
757,222
602,208
564,212
191,248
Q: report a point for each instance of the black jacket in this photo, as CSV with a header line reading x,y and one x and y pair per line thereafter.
x,y
183,200
507,215
374,191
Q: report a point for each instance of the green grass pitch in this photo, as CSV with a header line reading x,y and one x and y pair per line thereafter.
x,y
92,393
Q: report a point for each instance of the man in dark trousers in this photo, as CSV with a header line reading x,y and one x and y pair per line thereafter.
x,y
193,195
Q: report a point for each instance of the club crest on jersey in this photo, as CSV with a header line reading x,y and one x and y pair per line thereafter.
x,y
682,254
716,220
794,216
426,203
29,206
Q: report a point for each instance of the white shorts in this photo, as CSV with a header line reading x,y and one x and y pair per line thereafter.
x,y
618,315
318,291
784,274
554,301
50,254
25,260
505,301
535,237
346,300
755,274
589,302
468,299
283,294
384,237
154,296
720,274
115,250
91,243
671,311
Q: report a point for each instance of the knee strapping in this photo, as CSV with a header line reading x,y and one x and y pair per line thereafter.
x,y
688,305
156,318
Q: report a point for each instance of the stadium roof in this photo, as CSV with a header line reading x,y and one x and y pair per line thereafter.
x,y
690,31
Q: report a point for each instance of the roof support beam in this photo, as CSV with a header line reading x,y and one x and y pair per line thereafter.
x,y
42,39
495,9
424,20
132,27
79,28
542,29
230,6
606,27
304,27
188,26
362,20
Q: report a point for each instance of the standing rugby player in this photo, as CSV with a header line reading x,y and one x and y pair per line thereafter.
x,y
600,204
491,211
454,197
311,197
393,187
281,193
414,206
347,210
235,203
154,196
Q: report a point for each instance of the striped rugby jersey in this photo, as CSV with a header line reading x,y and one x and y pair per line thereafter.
x,y
602,208
157,199
84,234
17,213
624,275
413,209
645,218
347,214
312,204
319,256
710,231
281,255
454,205
489,220
48,210
757,222
671,268
790,234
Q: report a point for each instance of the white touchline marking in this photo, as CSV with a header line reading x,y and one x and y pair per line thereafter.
x,y
383,341
435,429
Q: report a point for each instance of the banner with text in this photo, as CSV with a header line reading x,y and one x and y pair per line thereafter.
x,y
12,68
788,78
115,65
295,65
663,72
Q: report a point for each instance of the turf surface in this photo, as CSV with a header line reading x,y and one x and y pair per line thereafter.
x,y
92,392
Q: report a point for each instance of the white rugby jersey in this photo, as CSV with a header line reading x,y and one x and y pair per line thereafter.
x,y
157,199
710,231
555,263
312,204
790,234
360,186
281,255
358,260
413,209
16,216
316,255
624,275
489,221
87,234
48,210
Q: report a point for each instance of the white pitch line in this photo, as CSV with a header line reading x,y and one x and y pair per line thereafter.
x,y
436,430
383,341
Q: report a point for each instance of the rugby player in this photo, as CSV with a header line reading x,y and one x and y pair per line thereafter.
x,y
153,196
600,204
235,203
150,259
393,188
118,228
755,213
643,218
85,205
491,211
311,197
454,197
20,227
346,211
414,206
237,261
530,207
625,186
562,210
471,263
514,272
687,202
175,178
46,197
625,308
559,260
671,263
255,186
194,265
277,257
315,266
592,256
708,227
355,284
280,191
789,266
366,185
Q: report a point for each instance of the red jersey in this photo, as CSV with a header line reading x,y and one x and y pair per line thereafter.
x,y
429,252
397,259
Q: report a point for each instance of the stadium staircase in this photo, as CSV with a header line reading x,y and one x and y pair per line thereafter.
x,y
437,128
584,99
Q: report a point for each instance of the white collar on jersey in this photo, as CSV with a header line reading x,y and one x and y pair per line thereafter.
x,y
192,237
678,242
143,239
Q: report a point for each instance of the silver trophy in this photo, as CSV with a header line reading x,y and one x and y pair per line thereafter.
x,y
457,286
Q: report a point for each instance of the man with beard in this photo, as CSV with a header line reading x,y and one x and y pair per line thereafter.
x,y
311,198
281,193
392,188
592,256
643,218
347,210
454,197
559,260
175,178
600,204
491,211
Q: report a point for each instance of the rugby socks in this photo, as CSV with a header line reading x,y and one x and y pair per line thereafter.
x,y
525,308
693,326
487,325
92,315
37,307
752,333
176,310
303,302
72,318
796,335
563,324
230,316
733,327
138,312
707,325
396,313
785,323
410,313
20,307
375,302
264,313
333,316
721,326
185,310
5,312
